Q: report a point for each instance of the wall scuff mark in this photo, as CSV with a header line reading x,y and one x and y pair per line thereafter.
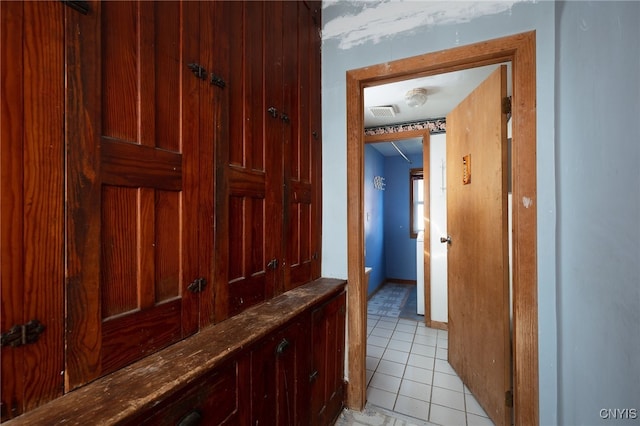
x,y
374,20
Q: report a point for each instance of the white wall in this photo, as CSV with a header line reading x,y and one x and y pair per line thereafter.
x,y
358,34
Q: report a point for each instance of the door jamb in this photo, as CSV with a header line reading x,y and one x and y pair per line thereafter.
x,y
520,50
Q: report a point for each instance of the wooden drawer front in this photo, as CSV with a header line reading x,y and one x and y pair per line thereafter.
x,y
213,400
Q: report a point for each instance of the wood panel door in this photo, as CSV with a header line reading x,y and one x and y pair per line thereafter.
x,y
478,285
327,357
32,213
279,377
302,144
249,158
140,124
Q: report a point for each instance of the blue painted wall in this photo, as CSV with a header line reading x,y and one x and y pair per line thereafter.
x,y
389,250
399,246
598,187
588,180
343,50
374,165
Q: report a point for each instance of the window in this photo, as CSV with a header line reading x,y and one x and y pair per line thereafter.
x,y
416,201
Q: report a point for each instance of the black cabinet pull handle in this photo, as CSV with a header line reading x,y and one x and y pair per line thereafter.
x,y
282,346
273,112
192,419
284,117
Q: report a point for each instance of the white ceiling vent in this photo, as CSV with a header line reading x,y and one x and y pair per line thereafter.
x,y
383,111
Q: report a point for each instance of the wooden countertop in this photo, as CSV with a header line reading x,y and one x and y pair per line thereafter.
x,y
119,396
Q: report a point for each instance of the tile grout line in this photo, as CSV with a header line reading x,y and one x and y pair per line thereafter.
x,y
439,340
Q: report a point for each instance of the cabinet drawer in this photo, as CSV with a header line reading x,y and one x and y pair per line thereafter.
x,y
212,400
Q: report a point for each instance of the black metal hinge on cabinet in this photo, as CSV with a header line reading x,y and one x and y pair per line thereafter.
x,y
197,285
80,6
217,81
23,334
198,70
273,112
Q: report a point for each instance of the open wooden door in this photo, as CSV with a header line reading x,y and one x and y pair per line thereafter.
x,y
478,287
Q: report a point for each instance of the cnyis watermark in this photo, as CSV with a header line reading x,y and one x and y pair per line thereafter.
x,y
619,413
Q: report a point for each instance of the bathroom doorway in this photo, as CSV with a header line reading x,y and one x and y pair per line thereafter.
x,y
520,50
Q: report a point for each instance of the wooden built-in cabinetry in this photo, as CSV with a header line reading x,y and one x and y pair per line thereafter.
x,y
258,367
160,174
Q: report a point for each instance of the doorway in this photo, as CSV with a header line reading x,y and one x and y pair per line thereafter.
x,y
520,50
391,233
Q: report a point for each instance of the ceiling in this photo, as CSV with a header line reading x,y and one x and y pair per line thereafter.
x,y
444,92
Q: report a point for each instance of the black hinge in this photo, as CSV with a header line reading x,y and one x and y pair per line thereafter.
x,y
217,81
508,398
506,105
314,256
197,285
273,112
198,70
22,334
80,6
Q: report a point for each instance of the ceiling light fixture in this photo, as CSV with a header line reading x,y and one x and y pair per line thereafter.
x,y
416,97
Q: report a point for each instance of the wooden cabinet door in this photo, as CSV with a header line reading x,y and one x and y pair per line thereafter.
x,y
279,377
268,161
32,213
138,201
327,352
248,162
302,144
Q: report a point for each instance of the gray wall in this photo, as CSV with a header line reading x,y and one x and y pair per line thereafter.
x,y
588,197
598,202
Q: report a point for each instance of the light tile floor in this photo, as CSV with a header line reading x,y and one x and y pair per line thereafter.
x,y
408,373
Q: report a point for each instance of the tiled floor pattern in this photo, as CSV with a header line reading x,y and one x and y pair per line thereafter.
x,y
408,373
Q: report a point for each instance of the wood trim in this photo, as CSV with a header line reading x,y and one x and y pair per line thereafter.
x,y
439,325
83,338
411,134
357,291
520,50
